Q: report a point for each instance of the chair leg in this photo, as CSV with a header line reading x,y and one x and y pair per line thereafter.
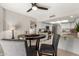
x,y
40,54
55,53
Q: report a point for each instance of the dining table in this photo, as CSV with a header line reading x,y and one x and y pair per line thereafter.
x,y
32,50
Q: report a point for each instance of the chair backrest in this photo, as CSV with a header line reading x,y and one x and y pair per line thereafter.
x,y
55,41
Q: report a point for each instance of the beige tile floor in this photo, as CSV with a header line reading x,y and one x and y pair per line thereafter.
x,y
65,53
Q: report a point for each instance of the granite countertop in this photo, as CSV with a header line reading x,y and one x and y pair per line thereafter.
x,y
69,35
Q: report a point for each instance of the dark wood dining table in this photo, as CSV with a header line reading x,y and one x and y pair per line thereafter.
x,y
31,49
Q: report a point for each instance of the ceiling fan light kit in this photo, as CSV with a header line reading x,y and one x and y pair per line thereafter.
x,y
35,7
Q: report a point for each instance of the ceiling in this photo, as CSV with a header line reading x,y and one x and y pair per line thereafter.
x,y
58,9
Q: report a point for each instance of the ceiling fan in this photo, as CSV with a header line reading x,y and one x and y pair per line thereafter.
x,y
35,7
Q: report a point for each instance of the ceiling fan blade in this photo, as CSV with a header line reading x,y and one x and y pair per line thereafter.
x,y
33,4
29,10
42,8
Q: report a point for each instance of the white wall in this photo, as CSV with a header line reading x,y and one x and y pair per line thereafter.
x,y
22,24
1,19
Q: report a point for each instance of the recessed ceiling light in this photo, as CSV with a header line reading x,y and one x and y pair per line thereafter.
x,y
71,16
59,21
52,16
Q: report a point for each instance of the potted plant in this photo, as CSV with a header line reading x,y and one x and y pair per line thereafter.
x,y
77,29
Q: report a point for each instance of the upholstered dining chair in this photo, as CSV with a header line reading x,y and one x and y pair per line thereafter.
x,y
50,50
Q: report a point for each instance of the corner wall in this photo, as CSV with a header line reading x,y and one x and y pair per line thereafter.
x,y
22,24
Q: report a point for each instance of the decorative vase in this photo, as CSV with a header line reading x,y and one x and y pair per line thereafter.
x,y
13,34
31,31
77,34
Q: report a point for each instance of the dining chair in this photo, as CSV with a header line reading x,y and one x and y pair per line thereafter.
x,y
31,49
50,50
